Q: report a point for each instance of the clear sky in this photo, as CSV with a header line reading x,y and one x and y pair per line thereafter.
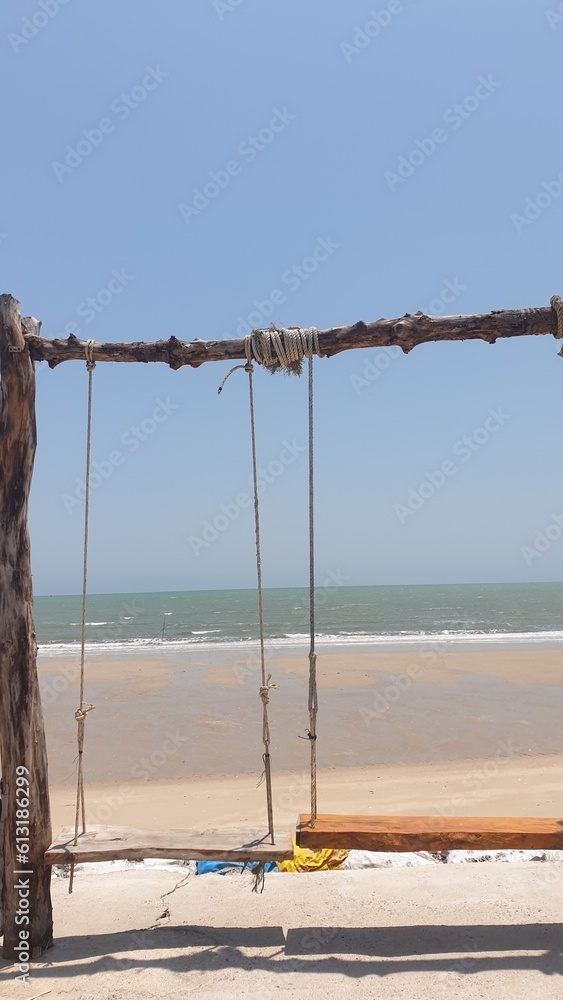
x,y
175,164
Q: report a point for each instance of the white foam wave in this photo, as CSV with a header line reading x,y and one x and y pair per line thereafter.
x,y
78,624
298,639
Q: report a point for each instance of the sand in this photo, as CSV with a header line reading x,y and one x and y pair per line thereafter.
x,y
176,742
375,709
487,931
502,786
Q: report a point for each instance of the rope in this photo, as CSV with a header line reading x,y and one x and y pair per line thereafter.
x,y
82,711
259,877
556,304
278,350
285,349
313,698
265,685
290,345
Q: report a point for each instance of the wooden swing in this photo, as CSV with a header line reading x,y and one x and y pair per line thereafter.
x,y
106,843
405,833
22,734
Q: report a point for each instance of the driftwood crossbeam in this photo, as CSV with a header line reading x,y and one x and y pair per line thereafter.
x,y
406,332
25,815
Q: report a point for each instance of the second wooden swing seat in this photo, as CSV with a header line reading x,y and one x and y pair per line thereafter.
x,y
429,833
314,831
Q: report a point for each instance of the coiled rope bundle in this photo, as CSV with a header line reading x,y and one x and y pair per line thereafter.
x,y
284,349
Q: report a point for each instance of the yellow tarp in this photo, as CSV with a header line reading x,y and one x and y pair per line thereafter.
x,y
312,861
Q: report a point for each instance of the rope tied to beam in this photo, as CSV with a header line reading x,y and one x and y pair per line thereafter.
x,y
83,709
284,349
279,350
557,305
89,351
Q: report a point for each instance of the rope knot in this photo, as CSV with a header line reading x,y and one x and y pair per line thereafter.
x,y
557,306
82,712
266,688
278,350
283,349
89,351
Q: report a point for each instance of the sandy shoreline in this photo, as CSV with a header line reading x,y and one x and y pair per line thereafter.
x,y
176,740
502,786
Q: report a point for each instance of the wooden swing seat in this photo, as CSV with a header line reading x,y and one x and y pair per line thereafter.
x,y
121,843
429,833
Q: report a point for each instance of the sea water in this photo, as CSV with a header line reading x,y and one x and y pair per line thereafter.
x,y
388,617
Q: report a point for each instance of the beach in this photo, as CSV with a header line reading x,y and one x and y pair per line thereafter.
x,y
174,742
175,738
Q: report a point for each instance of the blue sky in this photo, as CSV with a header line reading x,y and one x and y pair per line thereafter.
x,y
120,114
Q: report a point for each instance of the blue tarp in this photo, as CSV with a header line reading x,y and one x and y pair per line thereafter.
x,y
222,867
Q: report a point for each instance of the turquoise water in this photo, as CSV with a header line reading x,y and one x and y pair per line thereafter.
x,y
396,616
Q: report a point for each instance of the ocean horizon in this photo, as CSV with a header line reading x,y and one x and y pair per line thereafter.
x,y
392,616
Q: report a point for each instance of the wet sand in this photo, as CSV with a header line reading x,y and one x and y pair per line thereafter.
x,y
176,739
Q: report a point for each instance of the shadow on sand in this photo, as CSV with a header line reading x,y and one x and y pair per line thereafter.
x,y
462,949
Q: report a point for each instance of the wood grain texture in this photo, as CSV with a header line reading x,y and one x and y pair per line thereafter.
x,y
405,332
429,833
22,735
117,843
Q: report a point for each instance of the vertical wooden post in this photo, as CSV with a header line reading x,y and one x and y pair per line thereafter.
x,y
26,815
